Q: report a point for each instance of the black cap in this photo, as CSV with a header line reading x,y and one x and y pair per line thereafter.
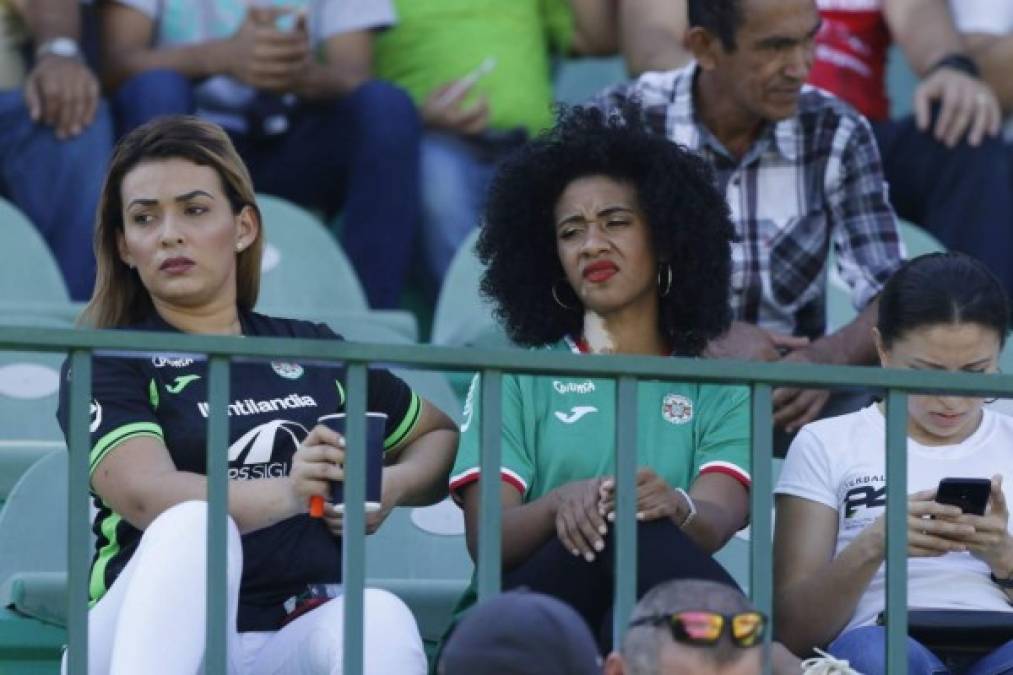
x,y
521,633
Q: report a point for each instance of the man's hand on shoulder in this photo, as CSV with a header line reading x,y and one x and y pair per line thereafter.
x,y
968,108
62,92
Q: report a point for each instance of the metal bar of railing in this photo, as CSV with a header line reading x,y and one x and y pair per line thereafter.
x,y
760,504
354,537
544,362
762,376
78,527
489,532
626,501
216,644
896,532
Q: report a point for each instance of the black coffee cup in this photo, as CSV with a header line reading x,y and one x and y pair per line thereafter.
x,y
376,423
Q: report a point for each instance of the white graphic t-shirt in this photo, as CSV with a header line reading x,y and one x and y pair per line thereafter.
x,y
840,462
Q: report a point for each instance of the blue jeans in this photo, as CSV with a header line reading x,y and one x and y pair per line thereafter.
x,y
359,154
454,181
961,195
865,650
56,183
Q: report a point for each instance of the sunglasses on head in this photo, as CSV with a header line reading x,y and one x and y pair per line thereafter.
x,y
697,627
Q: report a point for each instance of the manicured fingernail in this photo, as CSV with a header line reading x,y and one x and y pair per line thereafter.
x,y
612,516
575,552
599,545
602,529
589,556
640,515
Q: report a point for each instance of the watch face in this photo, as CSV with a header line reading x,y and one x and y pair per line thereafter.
x,y
61,46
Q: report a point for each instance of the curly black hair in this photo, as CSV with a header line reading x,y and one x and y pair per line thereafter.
x,y
688,218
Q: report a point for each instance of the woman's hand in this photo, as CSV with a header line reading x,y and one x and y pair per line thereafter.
x,y
319,461
579,524
991,541
391,495
655,499
933,529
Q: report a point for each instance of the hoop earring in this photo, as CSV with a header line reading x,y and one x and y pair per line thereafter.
x,y
555,296
665,288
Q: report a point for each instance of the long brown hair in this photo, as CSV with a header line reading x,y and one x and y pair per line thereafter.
x,y
120,299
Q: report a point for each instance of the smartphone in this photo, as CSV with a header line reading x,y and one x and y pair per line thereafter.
x,y
970,494
468,81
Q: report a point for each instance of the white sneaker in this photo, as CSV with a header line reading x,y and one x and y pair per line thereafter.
x,y
825,664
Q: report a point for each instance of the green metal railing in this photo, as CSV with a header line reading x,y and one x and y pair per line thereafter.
x,y
760,377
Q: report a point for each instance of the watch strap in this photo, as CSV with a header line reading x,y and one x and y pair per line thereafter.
x,y
59,46
957,61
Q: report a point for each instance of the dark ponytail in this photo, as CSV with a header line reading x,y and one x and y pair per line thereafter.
x,y
941,288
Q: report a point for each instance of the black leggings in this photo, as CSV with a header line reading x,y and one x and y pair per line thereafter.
x,y
664,552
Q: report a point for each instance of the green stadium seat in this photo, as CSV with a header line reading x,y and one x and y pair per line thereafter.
x,y
463,318
577,80
916,241
305,273
28,272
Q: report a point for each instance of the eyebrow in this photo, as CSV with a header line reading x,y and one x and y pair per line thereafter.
x,y
605,212
782,40
935,366
181,198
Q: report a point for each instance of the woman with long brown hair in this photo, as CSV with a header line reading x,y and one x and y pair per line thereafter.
x,y
178,243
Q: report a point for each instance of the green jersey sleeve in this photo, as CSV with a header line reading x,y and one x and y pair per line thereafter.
x,y
517,465
722,443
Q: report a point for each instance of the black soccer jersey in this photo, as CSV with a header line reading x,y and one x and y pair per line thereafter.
x,y
273,407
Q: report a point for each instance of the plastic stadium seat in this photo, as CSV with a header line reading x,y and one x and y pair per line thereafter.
x,y
577,80
304,266
306,274
462,317
28,272
839,310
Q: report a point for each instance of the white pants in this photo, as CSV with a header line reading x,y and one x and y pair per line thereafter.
x,y
152,619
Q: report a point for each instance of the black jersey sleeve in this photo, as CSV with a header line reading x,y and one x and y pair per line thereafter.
x,y
386,393
123,405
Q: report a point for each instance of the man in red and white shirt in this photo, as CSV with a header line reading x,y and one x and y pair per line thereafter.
x,y
945,164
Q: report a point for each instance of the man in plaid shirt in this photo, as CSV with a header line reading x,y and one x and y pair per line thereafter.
x,y
801,172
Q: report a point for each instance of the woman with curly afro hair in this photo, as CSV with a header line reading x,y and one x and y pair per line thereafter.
x,y
601,237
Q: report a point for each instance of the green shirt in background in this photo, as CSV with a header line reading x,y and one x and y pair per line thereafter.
x,y
438,41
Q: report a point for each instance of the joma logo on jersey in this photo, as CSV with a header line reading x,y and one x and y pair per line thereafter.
x,y
248,406
573,387
865,496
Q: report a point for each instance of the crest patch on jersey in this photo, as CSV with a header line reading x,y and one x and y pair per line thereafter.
x,y
676,409
290,371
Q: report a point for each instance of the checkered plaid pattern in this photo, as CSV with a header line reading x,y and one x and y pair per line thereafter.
x,y
808,181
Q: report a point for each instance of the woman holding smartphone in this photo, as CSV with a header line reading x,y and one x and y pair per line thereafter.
x,y
943,311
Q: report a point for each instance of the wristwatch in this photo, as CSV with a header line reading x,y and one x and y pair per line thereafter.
x,y
59,46
1002,583
957,61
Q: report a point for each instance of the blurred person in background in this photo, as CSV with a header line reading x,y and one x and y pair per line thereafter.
x,y
292,83
480,72
55,131
800,172
945,165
